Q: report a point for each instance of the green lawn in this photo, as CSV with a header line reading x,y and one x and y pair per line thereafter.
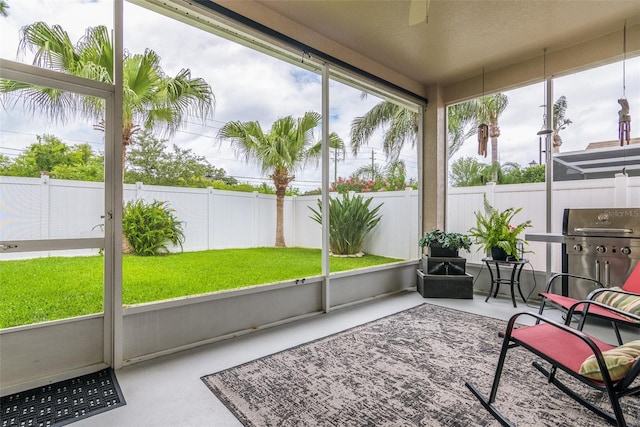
x,y
43,289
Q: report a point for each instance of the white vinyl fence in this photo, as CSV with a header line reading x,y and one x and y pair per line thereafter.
x,y
43,208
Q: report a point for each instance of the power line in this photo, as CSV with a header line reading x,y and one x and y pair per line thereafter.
x,y
206,121
196,134
13,149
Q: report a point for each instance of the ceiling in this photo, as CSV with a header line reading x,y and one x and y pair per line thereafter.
x,y
461,36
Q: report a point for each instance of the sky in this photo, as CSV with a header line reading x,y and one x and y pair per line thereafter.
x,y
249,85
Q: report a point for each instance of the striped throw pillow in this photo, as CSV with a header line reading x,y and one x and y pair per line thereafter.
x,y
624,302
619,361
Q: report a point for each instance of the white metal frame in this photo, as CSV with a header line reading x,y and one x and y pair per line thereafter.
x,y
44,77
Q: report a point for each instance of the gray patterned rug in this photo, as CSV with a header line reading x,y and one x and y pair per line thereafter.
x,y
407,369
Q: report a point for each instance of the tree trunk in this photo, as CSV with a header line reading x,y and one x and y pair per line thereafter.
x,y
557,142
494,133
280,192
281,180
126,245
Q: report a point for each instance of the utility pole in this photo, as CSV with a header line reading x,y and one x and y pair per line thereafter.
x,y
373,164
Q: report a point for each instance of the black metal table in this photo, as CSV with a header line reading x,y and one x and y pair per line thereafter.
x,y
513,280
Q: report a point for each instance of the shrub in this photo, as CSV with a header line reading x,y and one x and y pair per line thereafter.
x,y
350,220
150,227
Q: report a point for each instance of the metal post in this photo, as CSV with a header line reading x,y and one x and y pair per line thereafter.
x,y
549,166
113,330
325,189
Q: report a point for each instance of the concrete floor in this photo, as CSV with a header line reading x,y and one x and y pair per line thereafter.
x,y
167,391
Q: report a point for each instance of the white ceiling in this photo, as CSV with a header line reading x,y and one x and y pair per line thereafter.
x,y
461,36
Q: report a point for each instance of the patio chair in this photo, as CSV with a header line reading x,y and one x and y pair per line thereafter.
x,y
593,362
625,298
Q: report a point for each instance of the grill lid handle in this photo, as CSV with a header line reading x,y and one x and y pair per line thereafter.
x,y
602,230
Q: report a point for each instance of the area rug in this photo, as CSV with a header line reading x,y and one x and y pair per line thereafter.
x,y
63,402
407,369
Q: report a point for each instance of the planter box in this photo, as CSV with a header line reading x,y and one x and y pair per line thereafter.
x,y
442,286
438,251
455,266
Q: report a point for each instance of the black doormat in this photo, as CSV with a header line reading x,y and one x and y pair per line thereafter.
x,y
63,402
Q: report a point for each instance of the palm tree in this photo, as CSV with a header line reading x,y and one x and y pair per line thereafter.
x,y
488,110
559,121
372,171
151,99
288,145
401,126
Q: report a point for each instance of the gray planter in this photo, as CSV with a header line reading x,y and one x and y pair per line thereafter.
x,y
445,286
444,265
439,251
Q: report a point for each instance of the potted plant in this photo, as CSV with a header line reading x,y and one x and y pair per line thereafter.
x,y
495,233
444,244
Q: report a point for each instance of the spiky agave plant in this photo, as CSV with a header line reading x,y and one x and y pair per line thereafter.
x,y
350,220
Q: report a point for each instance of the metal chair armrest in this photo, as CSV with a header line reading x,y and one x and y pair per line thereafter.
x,y
551,280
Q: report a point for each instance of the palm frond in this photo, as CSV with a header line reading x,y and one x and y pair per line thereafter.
x,y
401,130
461,125
362,128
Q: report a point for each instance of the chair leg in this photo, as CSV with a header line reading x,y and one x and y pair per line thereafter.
x,y
617,331
498,375
488,403
618,420
488,406
542,304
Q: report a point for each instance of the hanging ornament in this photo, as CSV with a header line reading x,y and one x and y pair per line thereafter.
x,y
483,138
624,118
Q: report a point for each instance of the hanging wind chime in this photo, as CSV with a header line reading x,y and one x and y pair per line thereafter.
x,y
483,138
624,118
483,130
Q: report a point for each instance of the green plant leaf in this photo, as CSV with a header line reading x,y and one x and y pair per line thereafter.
x,y
350,220
151,227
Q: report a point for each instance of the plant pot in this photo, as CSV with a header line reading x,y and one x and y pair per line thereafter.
x,y
439,251
498,254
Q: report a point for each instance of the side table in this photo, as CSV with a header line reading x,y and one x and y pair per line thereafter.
x,y
513,280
